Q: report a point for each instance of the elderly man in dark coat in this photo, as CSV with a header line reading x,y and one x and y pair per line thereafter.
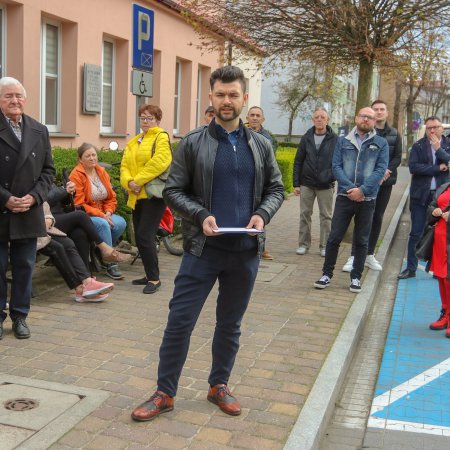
x,y
26,173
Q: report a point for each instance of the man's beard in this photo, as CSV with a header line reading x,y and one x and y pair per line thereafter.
x,y
365,127
228,117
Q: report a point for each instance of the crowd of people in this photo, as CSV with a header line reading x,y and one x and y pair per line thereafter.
x,y
223,175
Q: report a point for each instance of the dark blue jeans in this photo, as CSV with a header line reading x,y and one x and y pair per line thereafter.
x,y
22,254
344,210
418,222
236,273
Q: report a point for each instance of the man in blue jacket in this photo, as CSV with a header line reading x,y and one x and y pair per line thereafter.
x,y
359,164
428,164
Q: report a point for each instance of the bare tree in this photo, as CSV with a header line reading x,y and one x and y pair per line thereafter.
x,y
354,33
418,69
304,83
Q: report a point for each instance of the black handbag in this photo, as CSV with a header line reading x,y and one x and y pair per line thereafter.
x,y
424,248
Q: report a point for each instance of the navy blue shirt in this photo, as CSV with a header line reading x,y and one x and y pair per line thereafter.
x,y
232,189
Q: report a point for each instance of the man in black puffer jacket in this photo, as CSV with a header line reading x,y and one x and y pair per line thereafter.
x,y
313,178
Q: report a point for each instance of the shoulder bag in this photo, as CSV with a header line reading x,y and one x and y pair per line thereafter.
x,y
424,248
154,188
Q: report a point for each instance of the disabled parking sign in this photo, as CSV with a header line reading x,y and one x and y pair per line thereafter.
x,y
143,33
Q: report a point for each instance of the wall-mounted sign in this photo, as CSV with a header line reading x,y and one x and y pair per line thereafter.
x,y
92,92
143,31
142,83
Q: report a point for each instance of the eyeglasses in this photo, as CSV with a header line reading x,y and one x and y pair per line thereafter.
x,y
146,118
366,117
433,128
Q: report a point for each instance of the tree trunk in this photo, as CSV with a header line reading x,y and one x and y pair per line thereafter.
x,y
364,83
409,120
291,120
229,53
397,105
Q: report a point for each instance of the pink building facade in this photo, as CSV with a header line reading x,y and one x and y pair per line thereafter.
x,y
46,44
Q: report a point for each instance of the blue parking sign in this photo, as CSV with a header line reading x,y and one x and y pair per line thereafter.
x,y
143,32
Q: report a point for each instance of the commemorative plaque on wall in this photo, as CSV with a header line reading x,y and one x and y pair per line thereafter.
x,y
92,89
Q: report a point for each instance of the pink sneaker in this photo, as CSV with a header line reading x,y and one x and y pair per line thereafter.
x,y
95,299
96,287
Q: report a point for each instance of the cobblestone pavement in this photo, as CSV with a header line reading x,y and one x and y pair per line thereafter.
x,y
286,335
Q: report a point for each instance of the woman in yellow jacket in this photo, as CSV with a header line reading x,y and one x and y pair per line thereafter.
x,y
140,164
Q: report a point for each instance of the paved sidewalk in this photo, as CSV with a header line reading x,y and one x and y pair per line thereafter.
x,y
287,333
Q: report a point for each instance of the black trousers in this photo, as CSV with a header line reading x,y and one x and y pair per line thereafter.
x,y
22,255
236,273
383,197
344,210
79,227
66,259
147,215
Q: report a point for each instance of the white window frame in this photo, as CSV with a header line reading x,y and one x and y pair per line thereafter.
x,y
109,129
198,100
3,42
177,94
57,127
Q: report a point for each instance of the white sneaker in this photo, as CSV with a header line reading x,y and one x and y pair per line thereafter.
x,y
322,252
372,263
301,251
348,266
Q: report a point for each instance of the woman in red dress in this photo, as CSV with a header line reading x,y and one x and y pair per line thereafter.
x,y
439,260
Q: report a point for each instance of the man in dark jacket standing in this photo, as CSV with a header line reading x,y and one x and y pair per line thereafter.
x,y
313,178
384,194
255,119
428,164
222,175
26,173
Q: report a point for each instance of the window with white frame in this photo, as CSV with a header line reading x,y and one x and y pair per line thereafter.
x,y
51,75
2,41
176,110
198,100
107,119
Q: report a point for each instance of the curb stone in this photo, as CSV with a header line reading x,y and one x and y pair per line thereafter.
x,y
319,406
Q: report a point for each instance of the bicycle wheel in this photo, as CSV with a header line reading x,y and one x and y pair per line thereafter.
x,y
174,241
174,244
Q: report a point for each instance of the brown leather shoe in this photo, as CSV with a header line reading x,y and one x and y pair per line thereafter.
x,y
221,396
266,255
116,256
157,404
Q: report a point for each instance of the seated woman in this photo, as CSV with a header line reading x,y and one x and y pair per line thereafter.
x,y
95,194
78,226
66,259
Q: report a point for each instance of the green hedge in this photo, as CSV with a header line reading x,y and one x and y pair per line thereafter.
x,y
67,158
285,159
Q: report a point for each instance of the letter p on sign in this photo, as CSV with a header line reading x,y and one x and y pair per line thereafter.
x,y
144,28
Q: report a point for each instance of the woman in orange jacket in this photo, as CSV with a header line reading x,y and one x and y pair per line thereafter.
x,y
95,194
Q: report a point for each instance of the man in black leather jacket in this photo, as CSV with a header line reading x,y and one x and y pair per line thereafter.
x,y
222,175
313,178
